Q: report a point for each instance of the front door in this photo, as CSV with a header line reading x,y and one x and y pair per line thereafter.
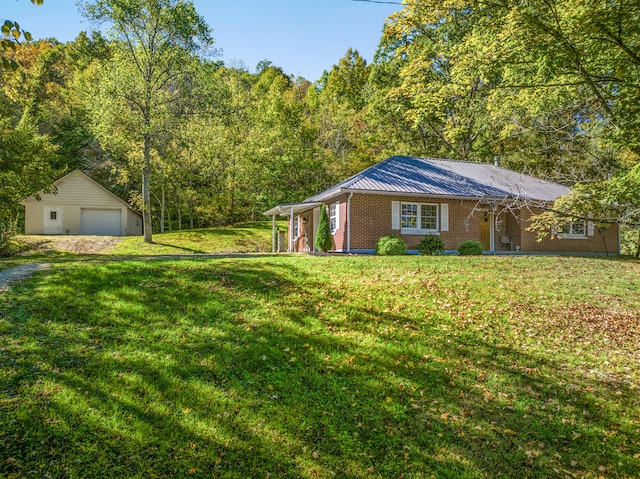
x,y
485,231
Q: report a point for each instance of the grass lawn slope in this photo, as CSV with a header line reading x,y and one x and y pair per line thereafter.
x,y
254,237
323,367
251,237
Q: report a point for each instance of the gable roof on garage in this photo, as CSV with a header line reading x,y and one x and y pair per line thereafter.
x,y
79,174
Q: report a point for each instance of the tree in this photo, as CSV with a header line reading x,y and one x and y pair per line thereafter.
x,y
524,80
603,203
338,103
25,167
324,240
155,41
12,33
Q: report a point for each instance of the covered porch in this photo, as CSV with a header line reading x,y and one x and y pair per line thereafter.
x,y
302,226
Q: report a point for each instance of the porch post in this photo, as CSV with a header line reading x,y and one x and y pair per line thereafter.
x,y
492,232
274,234
290,249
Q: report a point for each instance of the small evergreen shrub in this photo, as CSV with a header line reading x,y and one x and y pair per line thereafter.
x,y
391,246
470,247
324,239
431,245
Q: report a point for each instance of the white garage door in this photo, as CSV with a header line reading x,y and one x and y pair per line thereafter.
x,y
100,222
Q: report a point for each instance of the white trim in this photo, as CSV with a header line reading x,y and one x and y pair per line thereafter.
x,y
274,235
419,231
571,234
291,217
444,216
349,222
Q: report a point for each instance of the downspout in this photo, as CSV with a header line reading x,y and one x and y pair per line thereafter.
x,y
349,222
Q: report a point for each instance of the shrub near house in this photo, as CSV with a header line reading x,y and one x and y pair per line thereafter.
x,y
391,246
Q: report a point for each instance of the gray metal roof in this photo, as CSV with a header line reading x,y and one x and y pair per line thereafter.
x,y
438,177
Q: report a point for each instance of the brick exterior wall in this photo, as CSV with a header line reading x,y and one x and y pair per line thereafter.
x,y
371,218
602,241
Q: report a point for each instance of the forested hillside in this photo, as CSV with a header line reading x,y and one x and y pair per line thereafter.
x,y
550,87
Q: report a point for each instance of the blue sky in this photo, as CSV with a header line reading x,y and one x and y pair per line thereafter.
x,y
304,37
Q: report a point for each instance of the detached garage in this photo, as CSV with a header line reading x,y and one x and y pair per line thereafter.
x,y
80,206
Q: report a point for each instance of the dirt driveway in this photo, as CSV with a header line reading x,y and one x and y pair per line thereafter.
x,y
70,243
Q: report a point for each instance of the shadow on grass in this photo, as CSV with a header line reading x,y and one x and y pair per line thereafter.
x,y
181,248
263,369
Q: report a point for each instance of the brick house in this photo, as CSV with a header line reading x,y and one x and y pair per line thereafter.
x,y
457,200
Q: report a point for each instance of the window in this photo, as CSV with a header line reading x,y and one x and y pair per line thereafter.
x,y
409,215
429,217
53,215
419,217
296,226
573,229
334,209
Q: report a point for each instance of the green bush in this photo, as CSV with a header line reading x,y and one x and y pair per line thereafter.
x,y
431,245
391,246
469,248
324,239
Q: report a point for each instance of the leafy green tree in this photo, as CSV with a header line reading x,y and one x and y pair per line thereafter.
x,y
155,41
11,34
440,98
338,107
324,240
25,167
549,86
607,202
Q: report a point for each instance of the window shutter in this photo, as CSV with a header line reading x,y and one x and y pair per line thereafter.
x,y
395,215
590,226
337,215
444,217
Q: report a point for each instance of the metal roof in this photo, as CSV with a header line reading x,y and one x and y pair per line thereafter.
x,y
439,177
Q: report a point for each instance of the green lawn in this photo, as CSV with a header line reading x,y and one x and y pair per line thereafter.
x,y
323,367
253,237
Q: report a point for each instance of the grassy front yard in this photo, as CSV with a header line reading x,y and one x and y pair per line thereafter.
x,y
315,367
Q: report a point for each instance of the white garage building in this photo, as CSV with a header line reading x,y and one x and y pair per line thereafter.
x,y
80,206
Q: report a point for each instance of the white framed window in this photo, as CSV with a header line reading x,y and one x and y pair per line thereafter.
x,y
573,229
418,218
409,218
334,214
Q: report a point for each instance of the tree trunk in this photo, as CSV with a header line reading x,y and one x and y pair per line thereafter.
x,y
179,212
169,217
146,189
163,202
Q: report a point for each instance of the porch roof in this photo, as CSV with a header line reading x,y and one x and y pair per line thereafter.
x,y
287,208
